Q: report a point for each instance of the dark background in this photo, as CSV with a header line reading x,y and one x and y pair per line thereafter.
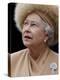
x,y
14,36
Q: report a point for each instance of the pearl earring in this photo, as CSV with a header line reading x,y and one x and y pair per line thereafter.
x,y
45,40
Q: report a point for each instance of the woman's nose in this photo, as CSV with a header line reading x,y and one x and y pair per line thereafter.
x,y
26,28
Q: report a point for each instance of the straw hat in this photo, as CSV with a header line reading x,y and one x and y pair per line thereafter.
x,y
49,13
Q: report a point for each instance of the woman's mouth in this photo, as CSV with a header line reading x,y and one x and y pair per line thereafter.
x,y
27,37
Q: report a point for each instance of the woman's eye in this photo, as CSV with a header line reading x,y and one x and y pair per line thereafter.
x,y
25,23
33,24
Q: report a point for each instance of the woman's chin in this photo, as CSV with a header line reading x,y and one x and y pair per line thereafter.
x,y
27,44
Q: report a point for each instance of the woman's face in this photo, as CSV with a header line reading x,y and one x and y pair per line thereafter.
x,y
33,32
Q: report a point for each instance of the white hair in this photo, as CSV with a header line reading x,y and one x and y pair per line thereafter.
x,y
50,32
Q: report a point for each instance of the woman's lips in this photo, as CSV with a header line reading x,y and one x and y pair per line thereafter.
x,y
27,37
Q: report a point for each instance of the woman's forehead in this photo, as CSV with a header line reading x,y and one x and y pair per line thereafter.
x,y
34,18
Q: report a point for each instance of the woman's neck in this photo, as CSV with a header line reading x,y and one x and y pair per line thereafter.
x,y
37,51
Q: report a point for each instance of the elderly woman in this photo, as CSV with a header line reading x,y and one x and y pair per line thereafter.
x,y
39,27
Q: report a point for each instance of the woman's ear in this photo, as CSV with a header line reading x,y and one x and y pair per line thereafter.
x,y
46,37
